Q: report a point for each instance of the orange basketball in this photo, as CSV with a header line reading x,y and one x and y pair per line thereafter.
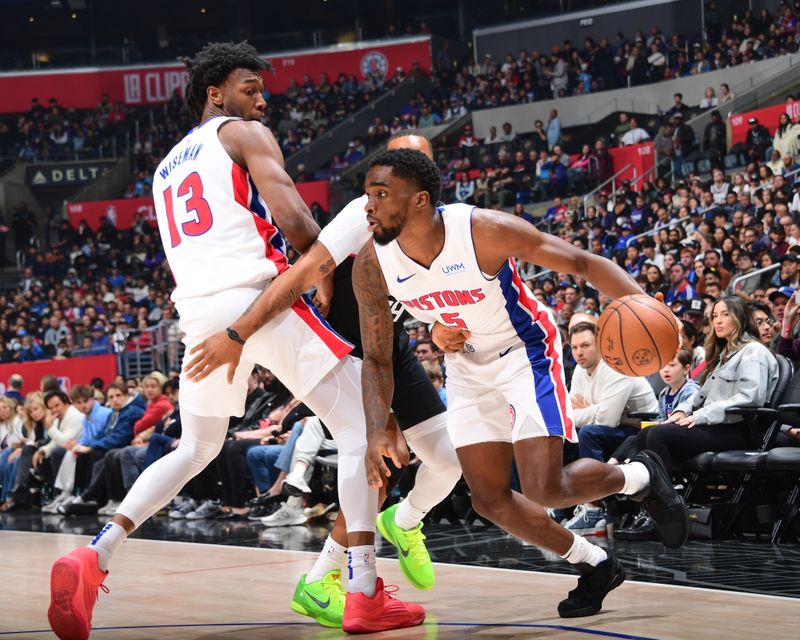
x,y
637,335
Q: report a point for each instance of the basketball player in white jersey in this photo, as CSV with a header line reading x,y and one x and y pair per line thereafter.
x,y
416,405
505,387
215,194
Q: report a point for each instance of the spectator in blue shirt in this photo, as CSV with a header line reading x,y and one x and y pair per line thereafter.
x,y
553,130
680,289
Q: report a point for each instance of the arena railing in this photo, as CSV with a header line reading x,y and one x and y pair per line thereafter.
x,y
157,348
752,274
611,180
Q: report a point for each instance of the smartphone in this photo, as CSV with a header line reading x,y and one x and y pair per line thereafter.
x,y
797,297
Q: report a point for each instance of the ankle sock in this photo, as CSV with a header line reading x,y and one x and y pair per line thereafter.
x,y
637,477
584,551
362,572
332,558
106,543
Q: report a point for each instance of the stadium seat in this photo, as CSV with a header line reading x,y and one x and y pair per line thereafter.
x,y
704,166
786,460
731,161
687,168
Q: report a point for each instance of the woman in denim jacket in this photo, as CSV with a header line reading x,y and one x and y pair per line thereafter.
x,y
740,371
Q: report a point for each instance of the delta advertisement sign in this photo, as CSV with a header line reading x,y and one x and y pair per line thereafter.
x,y
83,88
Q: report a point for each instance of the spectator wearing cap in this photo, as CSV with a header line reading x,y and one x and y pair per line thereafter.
x,y
680,289
778,300
636,135
745,265
757,141
694,312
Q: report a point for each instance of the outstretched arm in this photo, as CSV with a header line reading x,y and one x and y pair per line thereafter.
x,y
280,294
253,148
499,236
377,380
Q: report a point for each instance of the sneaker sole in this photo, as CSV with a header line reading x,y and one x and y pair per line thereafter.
x,y
590,611
361,625
66,621
299,608
290,523
412,579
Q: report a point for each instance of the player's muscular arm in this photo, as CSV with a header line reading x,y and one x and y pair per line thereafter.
x,y
499,236
377,379
218,350
253,147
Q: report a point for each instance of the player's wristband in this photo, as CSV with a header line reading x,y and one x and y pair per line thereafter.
x,y
233,335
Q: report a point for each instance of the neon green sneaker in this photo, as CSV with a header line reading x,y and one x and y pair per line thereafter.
x,y
410,543
322,600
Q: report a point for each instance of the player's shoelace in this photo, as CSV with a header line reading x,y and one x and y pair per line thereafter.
x,y
390,590
332,586
414,541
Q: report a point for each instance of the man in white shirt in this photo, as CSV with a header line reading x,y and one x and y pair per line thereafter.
x,y
65,431
635,134
602,399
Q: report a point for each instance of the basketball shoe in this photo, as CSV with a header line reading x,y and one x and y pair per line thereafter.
x,y
410,543
665,506
594,584
322,600
74,581
381,612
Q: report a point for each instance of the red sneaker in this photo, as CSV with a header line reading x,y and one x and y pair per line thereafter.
x,y
74,581
379,613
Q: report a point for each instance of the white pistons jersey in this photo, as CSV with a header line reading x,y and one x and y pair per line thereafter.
x,y
217,231
514,343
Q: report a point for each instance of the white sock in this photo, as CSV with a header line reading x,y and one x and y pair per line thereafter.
x,y
637,477
106,543
332,558
584,551
407,516
362,572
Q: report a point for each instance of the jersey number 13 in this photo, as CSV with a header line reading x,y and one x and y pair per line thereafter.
x,y
192,186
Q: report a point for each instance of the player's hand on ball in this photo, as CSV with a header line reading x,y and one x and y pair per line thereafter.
x,y
212,353
379,445
449,339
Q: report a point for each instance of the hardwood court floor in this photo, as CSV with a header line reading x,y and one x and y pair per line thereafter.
x,y
189,590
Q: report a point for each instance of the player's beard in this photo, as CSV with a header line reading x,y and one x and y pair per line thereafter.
x,y
384,235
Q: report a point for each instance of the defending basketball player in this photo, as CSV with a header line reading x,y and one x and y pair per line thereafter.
x,y
216,193
419,411
506,391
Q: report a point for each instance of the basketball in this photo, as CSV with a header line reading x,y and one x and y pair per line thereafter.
x,y
637,335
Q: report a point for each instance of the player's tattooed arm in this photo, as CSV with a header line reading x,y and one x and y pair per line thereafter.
x,y
377,379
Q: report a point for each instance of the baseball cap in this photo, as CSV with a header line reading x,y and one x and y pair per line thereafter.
x,y
783,291
752,121
695,306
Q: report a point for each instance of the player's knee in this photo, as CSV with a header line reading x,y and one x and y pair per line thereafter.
x,y
547,491
496,507
199,453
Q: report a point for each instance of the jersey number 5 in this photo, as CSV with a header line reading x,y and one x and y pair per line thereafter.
x,y
196,203
452,320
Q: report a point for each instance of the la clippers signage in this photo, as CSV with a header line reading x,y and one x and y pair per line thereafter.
x,y
122,214
768,116
142,85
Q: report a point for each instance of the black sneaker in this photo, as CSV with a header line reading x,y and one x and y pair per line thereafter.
x,y
265,499
256,513
665,506
594,584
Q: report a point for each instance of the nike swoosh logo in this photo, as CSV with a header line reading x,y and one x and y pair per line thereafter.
x,y
403,552
505,353
323,605
399,279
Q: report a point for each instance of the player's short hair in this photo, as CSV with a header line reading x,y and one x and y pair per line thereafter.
x,y
580,327
212,64
407,133
412,165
